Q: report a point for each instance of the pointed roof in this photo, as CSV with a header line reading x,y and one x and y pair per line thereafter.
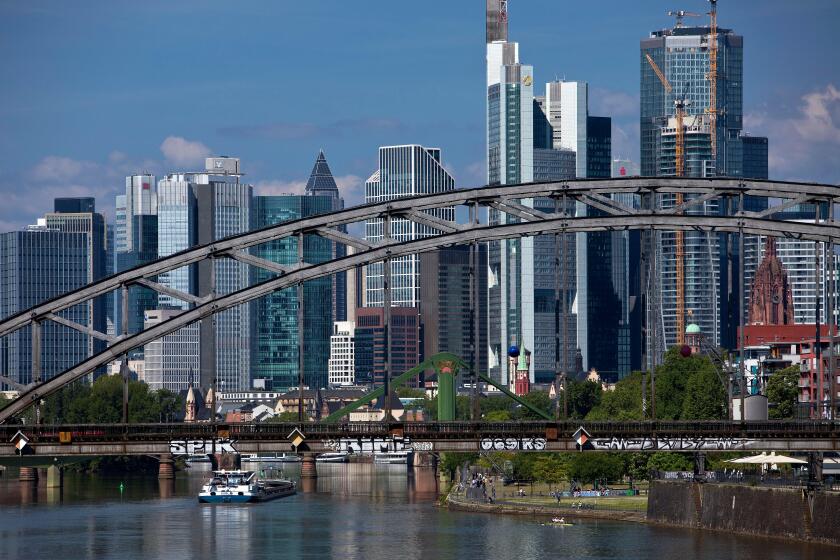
x,y
321,181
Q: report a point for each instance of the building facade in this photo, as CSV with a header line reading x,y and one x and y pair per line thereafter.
x,y
342,366
369,344
276,340
35,265
403,171
172,361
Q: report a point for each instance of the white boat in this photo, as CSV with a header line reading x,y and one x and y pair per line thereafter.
x,y
239,487
393,457
333,458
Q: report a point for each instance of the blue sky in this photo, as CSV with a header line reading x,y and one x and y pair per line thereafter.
x,y
93,90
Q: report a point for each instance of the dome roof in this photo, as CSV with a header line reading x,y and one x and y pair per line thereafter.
x,y
692,329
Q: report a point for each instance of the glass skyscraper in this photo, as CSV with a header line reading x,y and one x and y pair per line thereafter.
x,y
136,242
275,340
35,265
403,171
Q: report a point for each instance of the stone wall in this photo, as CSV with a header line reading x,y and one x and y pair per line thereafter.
x,y
779,512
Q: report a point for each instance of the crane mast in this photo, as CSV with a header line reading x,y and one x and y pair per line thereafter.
x,y
712,77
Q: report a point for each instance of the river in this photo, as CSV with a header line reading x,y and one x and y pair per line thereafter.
x,y
358,511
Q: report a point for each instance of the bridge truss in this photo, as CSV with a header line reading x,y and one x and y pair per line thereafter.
x,y
514,201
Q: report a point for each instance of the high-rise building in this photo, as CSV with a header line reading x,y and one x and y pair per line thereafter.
x,y
369,343
710,261
445,285
78,215
198,208
135,243
275,340
322,183
403,171
172,361
342,366
37,264
755,157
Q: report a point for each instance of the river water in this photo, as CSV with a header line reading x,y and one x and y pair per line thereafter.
x,y
356,511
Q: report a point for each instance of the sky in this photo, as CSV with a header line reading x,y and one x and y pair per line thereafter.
x,y
93,91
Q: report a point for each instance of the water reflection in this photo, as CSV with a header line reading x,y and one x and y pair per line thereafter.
x,y
353,511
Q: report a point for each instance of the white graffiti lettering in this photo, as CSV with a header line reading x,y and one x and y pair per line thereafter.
x,y
512,444
201,447
670,444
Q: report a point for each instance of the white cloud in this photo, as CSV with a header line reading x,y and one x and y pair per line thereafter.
x,y
57,168
612,103
351,188
817,120
183,152
277,187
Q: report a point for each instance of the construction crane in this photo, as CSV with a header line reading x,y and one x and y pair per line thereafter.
x,y
679,164
712,76
679,15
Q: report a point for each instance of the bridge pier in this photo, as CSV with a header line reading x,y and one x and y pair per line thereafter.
x,y
308,468
55,477
226,461
166,467
28,474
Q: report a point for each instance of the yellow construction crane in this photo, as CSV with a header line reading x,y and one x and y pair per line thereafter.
x,y
712,77
679,161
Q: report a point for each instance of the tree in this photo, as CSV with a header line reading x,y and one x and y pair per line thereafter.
x,y
550,467
783,392
595,467
583,397
665,461
287,416
623,403
705,398
673,378
497,416
410,392
537,399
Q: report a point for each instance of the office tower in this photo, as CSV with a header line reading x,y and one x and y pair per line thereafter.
x,y
110,259
445,317
198,208
35,265
403,171
78,215
342,354
135,243
275,340
369,344
755,157
171,361
682,57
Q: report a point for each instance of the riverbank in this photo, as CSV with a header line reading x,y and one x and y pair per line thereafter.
x,y
458,502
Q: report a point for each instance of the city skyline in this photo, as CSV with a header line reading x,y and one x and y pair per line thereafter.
x,y
65,118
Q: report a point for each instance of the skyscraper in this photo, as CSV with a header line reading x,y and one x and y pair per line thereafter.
x,y
198,208
682,56
136,242
403,171
35,265
275,340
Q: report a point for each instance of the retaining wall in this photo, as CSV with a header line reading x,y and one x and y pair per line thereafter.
x,y
778,512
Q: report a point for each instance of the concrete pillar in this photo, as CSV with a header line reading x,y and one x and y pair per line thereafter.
x,y
28,474
308,468
166,467
166,487
55,477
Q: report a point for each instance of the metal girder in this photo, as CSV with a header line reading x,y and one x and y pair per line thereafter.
x,y
573,187
519,210
265,264
486,232
161,289
432,221
692,203
607,205
802,199
81,328
343,238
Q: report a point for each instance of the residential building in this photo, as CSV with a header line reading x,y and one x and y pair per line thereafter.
x,y
275,341
38,264
342,367
403,171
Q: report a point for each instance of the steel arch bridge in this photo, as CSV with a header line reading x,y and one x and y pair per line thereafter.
x,y
515,201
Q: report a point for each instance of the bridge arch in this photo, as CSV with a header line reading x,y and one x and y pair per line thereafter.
x,y
512,200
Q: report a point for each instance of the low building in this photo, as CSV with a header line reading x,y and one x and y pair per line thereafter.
x,y
341,366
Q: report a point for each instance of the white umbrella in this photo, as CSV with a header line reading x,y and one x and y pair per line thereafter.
x,y
765,459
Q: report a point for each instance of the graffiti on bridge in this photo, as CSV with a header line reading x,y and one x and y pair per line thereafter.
x,y
670,444
377,445
512,444
201,447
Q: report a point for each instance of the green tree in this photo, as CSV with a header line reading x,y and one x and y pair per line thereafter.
x,y
583,397
550,467
595,467
665,461
410,392
782,392
705,398
623,403
538,399
497,416
287,416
